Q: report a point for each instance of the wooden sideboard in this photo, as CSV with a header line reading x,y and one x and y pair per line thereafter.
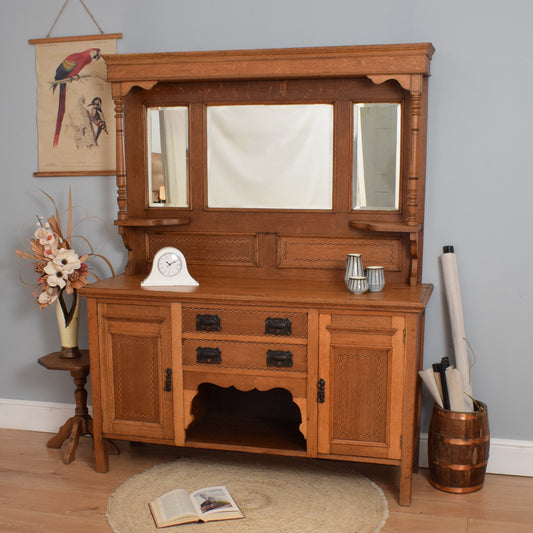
x,y
270,353
347,362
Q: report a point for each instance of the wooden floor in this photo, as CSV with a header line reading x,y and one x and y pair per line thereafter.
x,y
38,493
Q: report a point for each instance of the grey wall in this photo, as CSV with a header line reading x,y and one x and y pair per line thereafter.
x,y
479,184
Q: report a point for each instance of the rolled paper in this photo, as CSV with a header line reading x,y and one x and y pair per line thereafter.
x,y
428,378
455,390
436,373
455,310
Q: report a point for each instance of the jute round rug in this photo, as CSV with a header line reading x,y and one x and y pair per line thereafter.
x,y
276,494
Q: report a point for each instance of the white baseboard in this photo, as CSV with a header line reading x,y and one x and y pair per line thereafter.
x,y
513,457
34,416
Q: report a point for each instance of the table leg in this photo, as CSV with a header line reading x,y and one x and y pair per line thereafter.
x,y
62,435
70,452
78,425
80,394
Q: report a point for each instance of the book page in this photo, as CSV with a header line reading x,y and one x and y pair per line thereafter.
x,y
172,505
212,500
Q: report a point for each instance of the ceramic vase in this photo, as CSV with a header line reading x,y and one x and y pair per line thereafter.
x,y
358,284
68,329
376,278
353,267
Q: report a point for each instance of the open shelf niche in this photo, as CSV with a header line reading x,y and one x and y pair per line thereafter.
x,y
260,419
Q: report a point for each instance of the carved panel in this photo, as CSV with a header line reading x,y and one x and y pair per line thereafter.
x,y
331,252
135,399
207,248
360,384
361,323
136,344
294,383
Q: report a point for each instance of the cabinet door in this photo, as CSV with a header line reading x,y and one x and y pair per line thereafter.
x,y
136,367
361,364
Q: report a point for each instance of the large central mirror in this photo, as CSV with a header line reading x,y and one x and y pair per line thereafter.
x,y
275,156
270,156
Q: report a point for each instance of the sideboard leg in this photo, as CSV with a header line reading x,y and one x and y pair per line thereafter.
x,y
406,482
100,454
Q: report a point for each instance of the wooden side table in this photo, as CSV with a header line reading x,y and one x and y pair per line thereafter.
x,y
81,423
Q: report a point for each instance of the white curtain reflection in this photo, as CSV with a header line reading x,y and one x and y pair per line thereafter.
x,y
360,193
270,156
168,141
376,159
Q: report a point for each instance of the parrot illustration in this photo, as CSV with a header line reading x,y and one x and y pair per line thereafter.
x,y
69,70
96,116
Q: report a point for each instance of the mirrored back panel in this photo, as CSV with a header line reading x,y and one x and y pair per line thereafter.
x,y
275,156
274,163
334,146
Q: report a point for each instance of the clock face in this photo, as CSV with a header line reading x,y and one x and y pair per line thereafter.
x,y
169,264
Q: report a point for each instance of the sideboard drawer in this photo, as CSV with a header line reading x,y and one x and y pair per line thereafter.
x,y
256,355
244,321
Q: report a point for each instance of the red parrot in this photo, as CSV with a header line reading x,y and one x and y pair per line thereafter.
x,y
69,69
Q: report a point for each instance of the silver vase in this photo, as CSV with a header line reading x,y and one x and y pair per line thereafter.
x,y
354,267
376,278
357,284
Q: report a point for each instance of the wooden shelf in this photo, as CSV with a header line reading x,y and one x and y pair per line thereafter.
x,y
152,222
236,432
387,227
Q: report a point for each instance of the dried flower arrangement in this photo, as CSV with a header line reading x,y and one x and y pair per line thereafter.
x,y
59,267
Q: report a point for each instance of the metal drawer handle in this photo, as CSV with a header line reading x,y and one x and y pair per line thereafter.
x,y
168,380
210,356
279,358
208,323
321,391
278,326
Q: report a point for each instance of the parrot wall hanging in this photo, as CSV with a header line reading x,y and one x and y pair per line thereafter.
x,y
75,108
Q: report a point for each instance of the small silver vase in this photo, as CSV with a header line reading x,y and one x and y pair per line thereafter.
x,y
354,267
376,278
357,284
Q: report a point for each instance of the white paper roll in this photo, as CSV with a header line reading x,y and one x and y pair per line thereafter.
x,y
455,310
455,390
428,377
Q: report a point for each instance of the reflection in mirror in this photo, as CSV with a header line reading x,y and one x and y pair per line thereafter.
x,y
376,156
270,156
168,149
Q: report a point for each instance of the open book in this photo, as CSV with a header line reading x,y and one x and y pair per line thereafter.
x,y
203,505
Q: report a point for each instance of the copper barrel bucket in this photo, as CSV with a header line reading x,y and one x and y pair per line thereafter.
x,y
458,449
